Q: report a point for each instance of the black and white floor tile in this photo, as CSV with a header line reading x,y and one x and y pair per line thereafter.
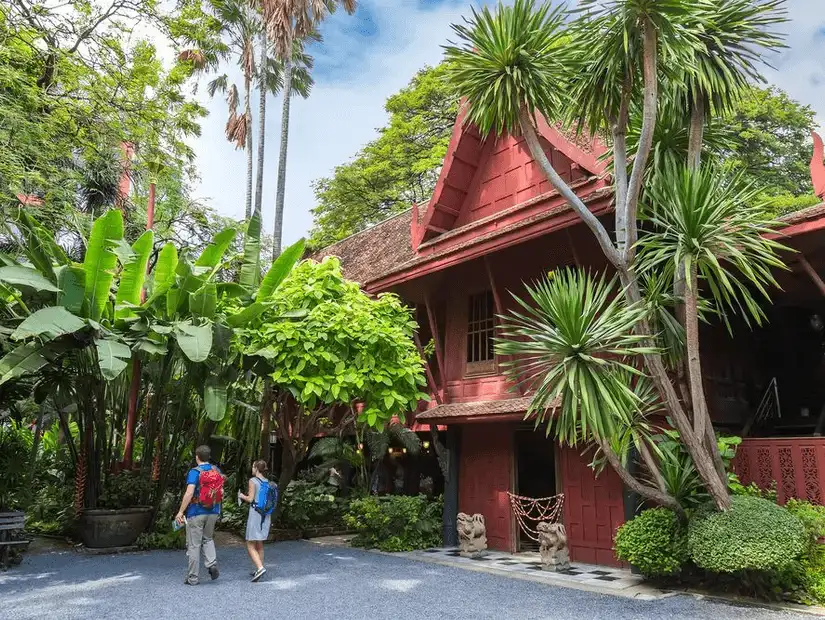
x,y
602,576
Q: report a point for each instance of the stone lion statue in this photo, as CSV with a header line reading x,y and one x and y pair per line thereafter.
x,y
553,546
472,533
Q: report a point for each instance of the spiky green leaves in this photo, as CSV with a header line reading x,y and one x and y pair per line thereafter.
x,y
508,59
715,222
572,340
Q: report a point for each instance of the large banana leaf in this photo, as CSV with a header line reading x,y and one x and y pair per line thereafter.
x,y
251,266
26,359
214,400
50,323
194,340
164,272
112,357
70,280
20,275
101,261
189,282
213,253
134,275
280,269
204,301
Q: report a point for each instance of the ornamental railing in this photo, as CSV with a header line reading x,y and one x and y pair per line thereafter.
x,y
796,466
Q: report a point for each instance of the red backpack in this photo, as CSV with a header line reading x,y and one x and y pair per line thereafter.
x,y
210,488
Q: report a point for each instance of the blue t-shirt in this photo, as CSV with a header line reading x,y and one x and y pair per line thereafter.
x,y
194,509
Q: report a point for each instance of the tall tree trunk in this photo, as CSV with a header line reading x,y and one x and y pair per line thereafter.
x,y
259,180
277,233
248,112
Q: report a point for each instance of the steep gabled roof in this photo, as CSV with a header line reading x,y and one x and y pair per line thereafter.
x,y
466,156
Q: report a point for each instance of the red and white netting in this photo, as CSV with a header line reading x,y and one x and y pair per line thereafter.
x,y
530,511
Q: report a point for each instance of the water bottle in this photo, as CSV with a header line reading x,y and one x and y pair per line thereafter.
x,y
177,526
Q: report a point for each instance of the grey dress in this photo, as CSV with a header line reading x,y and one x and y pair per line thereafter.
x,y
257,528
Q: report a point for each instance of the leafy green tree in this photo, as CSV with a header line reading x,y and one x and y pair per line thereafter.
x,y
399,167
351,358
771,146
75,84
609,63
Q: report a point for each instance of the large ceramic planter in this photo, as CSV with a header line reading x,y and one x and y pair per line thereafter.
x,y
99,528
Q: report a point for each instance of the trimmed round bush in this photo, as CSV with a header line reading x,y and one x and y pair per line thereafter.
x,y
754,534
654,542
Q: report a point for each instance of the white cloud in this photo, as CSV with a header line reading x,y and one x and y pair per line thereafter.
x,y
344,110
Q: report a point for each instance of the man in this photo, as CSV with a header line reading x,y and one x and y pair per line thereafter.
x,y
201,504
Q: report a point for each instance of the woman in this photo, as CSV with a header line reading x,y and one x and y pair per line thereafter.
x,y
257,527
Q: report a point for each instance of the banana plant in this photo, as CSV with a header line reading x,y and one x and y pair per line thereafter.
x,y
68,305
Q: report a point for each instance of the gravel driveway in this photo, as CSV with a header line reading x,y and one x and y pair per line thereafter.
x,y
311,582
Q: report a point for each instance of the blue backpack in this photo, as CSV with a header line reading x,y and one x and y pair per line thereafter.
x,y
265,499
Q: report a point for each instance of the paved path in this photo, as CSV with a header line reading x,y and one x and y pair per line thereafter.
x,y
311,582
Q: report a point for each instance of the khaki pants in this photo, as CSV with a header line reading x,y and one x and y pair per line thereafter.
x,y
199,532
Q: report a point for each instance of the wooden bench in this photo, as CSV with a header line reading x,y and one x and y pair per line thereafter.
x,y
10,524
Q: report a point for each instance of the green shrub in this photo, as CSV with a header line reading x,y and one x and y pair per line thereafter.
x,y
125,490
15,451
307,504
806,579
395,522
654,542
752,489
754,534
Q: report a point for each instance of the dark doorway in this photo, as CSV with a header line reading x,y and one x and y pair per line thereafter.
x,y
535,474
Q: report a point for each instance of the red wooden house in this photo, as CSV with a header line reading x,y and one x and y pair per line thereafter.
x,y
492,223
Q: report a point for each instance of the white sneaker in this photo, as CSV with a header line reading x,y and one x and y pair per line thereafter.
x,y
258,574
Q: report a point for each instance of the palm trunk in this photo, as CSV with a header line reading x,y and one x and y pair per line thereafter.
x,y
259,181
248,209
277,233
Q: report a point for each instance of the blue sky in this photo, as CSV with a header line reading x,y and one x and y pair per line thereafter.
x,y
368,56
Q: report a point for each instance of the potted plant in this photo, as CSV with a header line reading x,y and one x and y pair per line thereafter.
x,y
119,518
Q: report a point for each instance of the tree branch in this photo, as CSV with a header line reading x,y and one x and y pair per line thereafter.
x,y
633,484
649,109
697,129
592,222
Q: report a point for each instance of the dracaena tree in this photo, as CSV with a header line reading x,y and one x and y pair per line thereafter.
x,y
606,68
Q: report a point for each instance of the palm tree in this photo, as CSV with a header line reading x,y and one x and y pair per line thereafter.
x,y
270,81
515,62
288,21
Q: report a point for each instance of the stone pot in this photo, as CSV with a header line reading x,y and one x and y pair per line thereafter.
x,y
101,528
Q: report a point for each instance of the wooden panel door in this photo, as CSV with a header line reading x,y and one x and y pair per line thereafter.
x,y
485,476
593,509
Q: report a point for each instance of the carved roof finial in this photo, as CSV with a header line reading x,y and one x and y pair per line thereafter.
x,y
818,166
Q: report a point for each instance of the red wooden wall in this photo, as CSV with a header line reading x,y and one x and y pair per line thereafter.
x,y
485,476
508,176
797,465
593,509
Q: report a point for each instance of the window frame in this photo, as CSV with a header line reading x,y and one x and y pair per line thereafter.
x,y
479,355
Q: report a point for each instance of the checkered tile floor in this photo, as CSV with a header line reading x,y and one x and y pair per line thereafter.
x,y
602,576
